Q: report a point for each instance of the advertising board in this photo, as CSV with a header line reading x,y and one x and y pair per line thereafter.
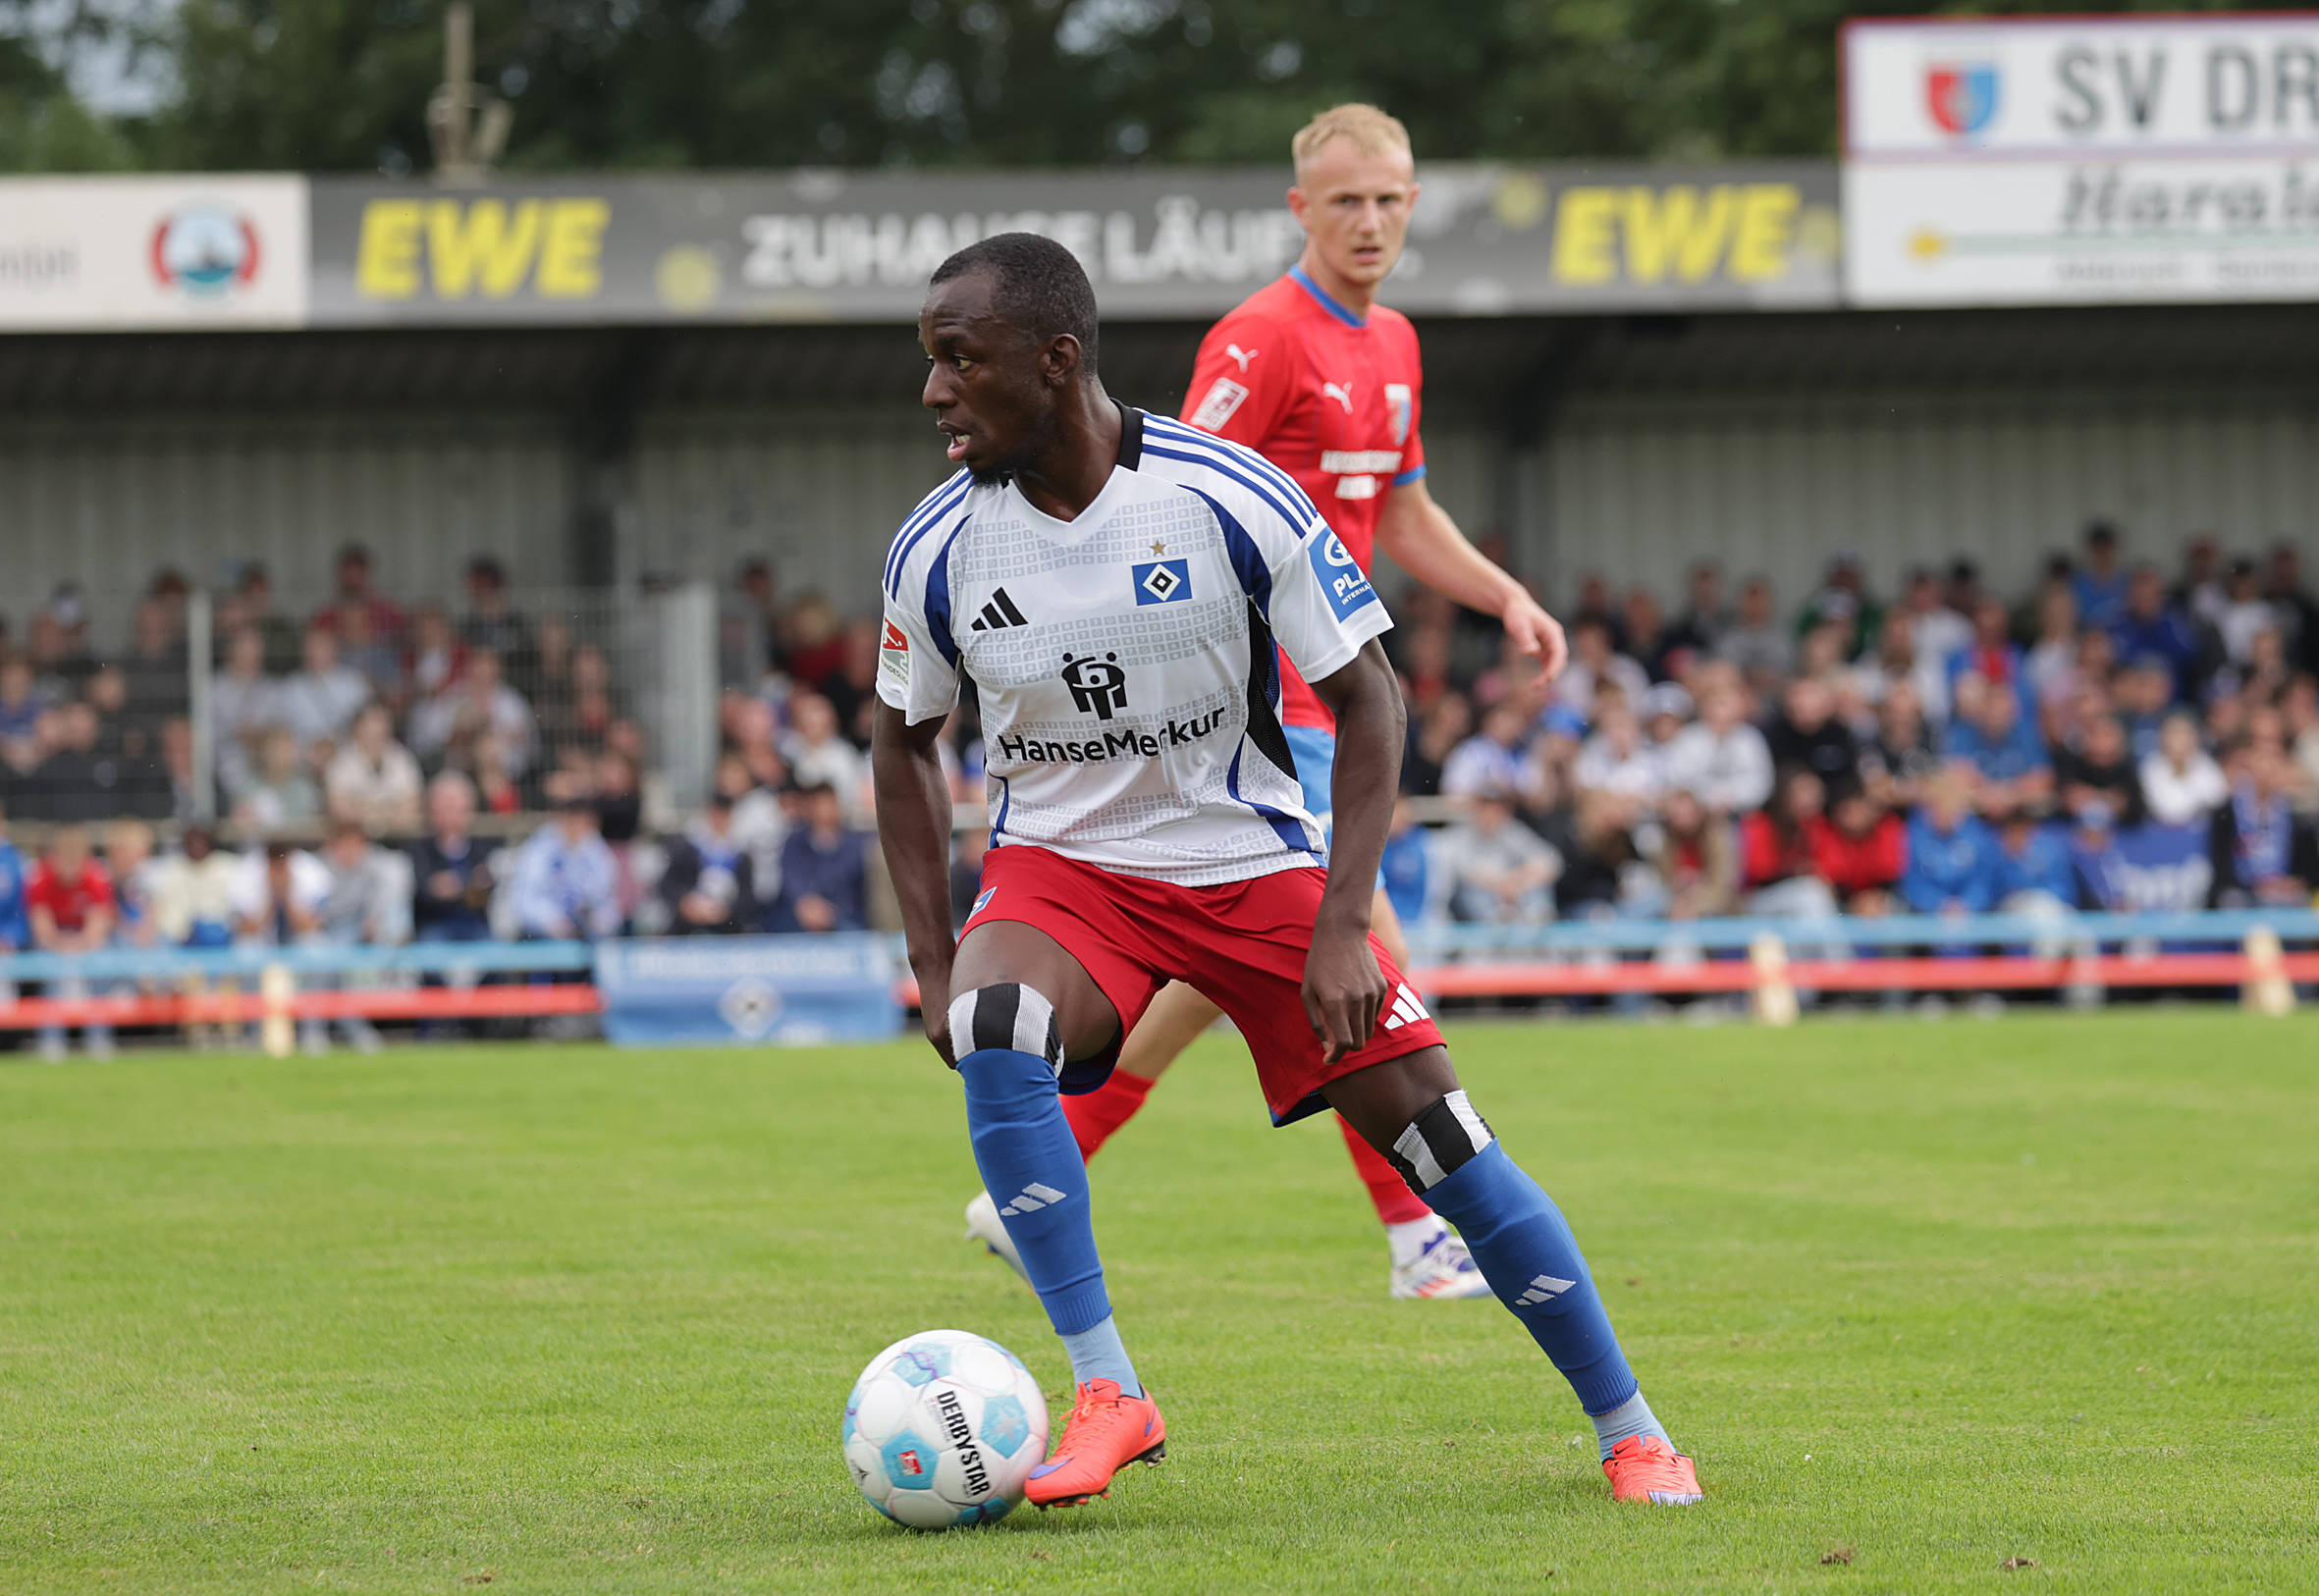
x,y
2066,160
147,252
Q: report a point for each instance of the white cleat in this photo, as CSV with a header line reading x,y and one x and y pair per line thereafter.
x,y
984,1225
1444,1271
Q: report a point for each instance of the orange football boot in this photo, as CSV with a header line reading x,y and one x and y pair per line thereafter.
x,y
1645,1468
1108,1431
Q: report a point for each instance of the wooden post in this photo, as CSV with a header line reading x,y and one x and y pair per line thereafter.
x,y
2267,989
277,1034
1775,994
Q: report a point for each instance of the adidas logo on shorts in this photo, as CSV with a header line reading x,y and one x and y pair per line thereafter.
x,y
1406,1008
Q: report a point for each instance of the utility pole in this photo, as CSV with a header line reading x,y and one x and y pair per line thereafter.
x,y
465,123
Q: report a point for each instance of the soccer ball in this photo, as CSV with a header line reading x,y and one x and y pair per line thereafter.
x,y
943,1428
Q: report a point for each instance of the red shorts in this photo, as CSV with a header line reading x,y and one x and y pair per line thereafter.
x,y
1241,944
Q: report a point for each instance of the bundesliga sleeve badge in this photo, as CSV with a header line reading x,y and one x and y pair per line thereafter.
x,y
893,655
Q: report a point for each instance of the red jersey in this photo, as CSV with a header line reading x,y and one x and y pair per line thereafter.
x,y
68,900
1328,397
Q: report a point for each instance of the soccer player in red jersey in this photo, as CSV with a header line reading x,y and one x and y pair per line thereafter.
x,y
1315,375
1121,589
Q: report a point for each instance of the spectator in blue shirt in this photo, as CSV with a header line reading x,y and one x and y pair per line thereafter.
x,y
566,882
2035,864
2006,754
2151,627
824,869
15,927
2100,584
1406,871
452,884
1954,858
2095,862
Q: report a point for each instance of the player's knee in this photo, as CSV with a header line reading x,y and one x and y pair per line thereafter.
x,y
1445,1137
1007,1016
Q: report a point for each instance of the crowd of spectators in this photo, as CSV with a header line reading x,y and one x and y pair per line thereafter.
x,y
1942,749
1945,749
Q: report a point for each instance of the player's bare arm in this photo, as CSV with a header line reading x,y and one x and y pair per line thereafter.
x,y
1422,538
1344,991
914,832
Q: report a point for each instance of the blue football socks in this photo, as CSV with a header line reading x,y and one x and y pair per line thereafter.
x,y
1030,1166
1099,1354
1630,1417
1532,1261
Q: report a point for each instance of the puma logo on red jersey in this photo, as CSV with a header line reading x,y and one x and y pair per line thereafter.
x,y
1342,393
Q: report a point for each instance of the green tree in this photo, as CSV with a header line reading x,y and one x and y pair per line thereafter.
x,y
43,127
342,84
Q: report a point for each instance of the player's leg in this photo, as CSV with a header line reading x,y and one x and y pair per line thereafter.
x,y
1175,1018
1411,1110
1022,1008
1429,1261
1173,1022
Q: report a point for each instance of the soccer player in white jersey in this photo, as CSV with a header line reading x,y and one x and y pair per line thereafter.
x,y
1311,373
1116,584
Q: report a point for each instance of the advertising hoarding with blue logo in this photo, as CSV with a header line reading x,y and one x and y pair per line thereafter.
x,y
153,254
748,989
2068,160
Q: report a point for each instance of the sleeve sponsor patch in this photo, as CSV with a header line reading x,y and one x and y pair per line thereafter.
x,y
1224,397
1341,577
894,654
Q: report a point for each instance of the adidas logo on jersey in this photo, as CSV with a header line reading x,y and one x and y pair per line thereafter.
x,y
998,615
1037,1195
1406,1008
1544,1289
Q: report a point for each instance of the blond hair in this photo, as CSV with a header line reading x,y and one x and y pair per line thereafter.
x,y
1370,130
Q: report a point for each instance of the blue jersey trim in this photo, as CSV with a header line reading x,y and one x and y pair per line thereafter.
x,y
1270,500
1409,476
1217,450
1303,280
1287,828
1248,562
938,600
923,520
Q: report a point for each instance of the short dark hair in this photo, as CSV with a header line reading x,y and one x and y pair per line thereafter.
x,y
1042,288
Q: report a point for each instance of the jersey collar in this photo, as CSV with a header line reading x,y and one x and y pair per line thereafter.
x,y
1131,436
1303,280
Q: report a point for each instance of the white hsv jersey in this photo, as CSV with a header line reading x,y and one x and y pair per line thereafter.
x,y
1125,662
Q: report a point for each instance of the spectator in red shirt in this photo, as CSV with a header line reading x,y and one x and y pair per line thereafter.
x,y
70,903
1777,864
1859,850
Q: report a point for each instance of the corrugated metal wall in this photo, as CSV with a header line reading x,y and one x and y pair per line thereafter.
x,y
818,494
108,501
1637,489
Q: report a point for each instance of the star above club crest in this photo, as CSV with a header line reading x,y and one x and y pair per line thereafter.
x,y
1159,548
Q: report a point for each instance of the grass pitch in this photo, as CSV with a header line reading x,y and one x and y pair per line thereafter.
x,y
1926,1301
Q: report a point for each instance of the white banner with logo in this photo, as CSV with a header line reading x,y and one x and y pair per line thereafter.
x,y
2081,159
108,253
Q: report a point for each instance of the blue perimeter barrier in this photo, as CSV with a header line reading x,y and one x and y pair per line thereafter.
x,y
1455,941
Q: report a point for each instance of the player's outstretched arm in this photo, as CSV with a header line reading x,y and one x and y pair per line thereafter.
x,y
1344,991
914,830
1422,539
